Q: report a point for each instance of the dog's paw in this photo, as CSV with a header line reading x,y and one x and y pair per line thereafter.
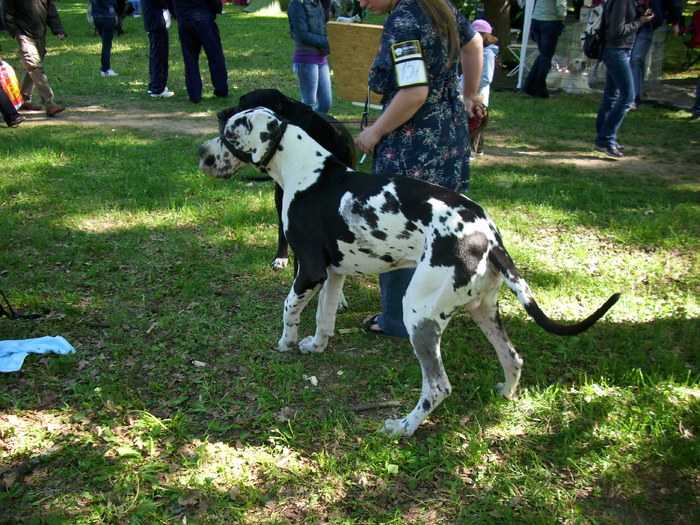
x,y
342,303
285,345
396,427
280,263
307,346
503,390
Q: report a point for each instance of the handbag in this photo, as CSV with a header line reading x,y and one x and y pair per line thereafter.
x,y
9,83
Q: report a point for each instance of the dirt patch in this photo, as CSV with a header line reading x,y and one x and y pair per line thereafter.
x,y
200,123
204,125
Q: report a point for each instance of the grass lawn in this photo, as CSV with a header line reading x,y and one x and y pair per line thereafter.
x,y
176,406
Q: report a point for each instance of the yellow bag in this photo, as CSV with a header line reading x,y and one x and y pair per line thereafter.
x,y
9,83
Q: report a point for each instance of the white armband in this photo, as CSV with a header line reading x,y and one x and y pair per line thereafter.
x,y
409,65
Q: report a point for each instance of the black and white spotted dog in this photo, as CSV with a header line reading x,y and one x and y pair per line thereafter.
x,y
324,129
340,222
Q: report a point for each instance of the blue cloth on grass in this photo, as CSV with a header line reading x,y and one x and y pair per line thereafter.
x,y
13,352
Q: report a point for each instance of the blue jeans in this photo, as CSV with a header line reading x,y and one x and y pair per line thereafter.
x,y
642,45
546,34
314,85
618,96
393,285
105,27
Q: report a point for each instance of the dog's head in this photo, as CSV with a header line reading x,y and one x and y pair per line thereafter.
x,y
248,137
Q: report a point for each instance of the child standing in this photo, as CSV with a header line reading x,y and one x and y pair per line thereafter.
x,y
490,54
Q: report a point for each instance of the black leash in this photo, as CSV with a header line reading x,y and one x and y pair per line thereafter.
x,y
12,314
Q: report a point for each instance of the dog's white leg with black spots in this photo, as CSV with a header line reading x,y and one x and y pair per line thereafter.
x,y
426,315
325,315
436,386
487,317
293,306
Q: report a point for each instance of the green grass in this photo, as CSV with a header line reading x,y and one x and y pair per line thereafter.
x,y
177,407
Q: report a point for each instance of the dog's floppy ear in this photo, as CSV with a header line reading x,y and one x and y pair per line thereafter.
x,y
224,115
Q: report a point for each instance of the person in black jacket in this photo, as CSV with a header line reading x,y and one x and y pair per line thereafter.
x,y
26,21
156,20
197,29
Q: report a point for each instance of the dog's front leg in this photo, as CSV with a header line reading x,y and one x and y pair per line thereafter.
x,y
294,304
325,315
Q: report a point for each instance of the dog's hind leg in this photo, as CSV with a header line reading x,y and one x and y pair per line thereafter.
x,y
488,319
325,315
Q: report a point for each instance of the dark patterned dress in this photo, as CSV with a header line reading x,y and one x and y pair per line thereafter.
x,y
434,144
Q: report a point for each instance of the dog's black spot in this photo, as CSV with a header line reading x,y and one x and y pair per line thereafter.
x,y
299,137
391,204
366,251
379,235
367,213
319,154
443,219
387,258
461,253
280,147
245,122
210,160
426,405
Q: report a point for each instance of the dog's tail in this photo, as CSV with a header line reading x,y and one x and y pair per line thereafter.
x,y
500,259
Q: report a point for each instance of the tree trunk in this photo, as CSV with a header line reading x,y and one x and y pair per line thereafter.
x,y
497,12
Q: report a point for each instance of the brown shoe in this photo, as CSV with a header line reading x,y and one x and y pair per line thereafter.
x,y
54,110
30,106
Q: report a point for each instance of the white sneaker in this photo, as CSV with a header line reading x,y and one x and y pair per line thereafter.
x,y
165,93
109,73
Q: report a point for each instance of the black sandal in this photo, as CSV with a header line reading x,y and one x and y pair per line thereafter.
x,y
371,326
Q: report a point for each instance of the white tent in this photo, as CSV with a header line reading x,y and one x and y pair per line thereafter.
x,y
529,5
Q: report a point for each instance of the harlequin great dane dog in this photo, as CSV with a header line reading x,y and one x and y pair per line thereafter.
x,y
324,129
340,222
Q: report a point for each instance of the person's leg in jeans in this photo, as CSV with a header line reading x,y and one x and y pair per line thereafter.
x,y
393,285
324,99
642,45
618,96
211,42
105,27
546,34
547,46
529,85
307,76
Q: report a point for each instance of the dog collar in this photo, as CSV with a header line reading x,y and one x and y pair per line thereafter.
x,y
246,157
275,145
